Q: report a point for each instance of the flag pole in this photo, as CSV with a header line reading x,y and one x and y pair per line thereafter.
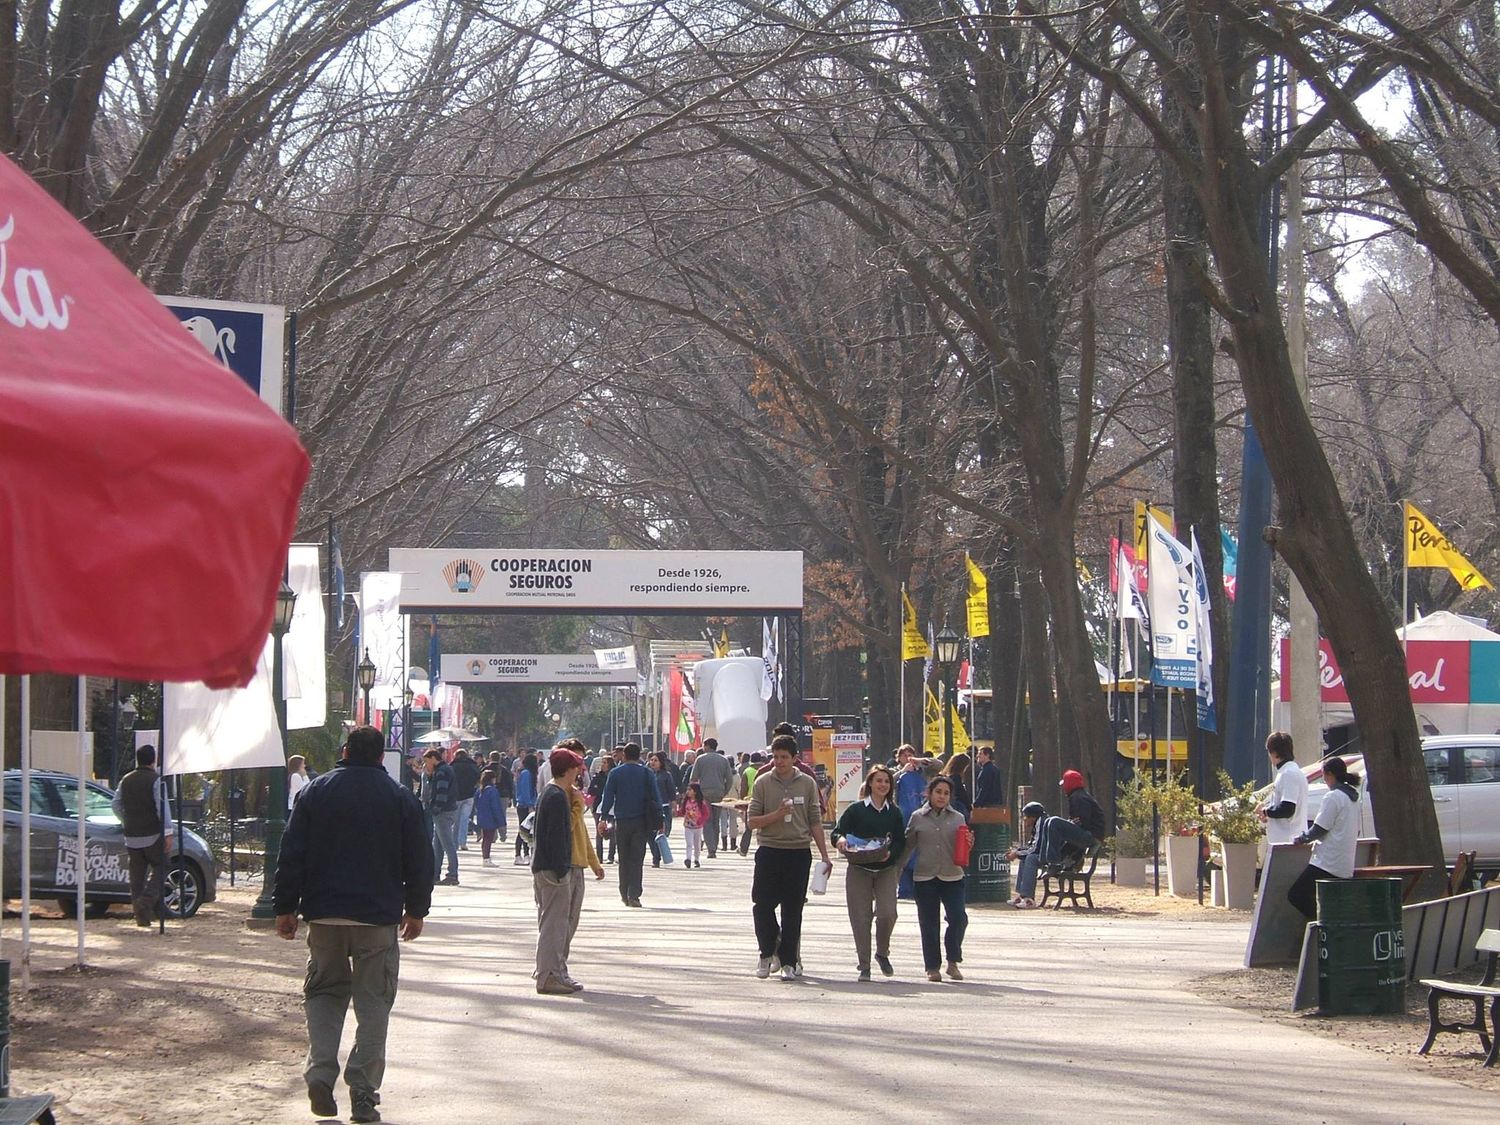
x,y
901,664
1405,576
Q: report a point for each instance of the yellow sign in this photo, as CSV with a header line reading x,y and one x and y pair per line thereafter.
x,y
913,644
978,603
1132,749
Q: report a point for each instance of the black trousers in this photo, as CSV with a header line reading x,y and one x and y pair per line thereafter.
x,y
781,876
1303,894
631,834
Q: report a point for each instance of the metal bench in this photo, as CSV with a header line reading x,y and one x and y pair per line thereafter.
x,y
1486,990
27,1109
1064,880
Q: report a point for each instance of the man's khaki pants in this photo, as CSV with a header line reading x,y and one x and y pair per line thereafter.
x,y
343,963
558,905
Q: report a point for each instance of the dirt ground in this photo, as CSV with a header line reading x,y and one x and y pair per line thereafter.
x,y
206,1024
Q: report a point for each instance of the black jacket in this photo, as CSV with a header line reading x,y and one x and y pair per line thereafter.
x,y
987,787
552,834
465,778
356,847
1083,808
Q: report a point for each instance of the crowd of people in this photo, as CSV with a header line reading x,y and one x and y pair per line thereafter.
x,y
363,853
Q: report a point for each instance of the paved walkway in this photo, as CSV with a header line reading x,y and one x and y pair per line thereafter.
x,y
1061,1018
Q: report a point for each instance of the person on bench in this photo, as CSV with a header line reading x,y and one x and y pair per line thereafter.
x,y
1033,813
1068,839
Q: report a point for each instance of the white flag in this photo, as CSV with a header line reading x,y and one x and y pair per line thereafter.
x,y
1174,611
770,682
232,729
303,662
1207,720
384,638
1128,600
616,657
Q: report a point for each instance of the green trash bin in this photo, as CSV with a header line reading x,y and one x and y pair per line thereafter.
x,y
988,874
1361,947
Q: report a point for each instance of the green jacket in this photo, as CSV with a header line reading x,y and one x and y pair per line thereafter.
x,y
863,819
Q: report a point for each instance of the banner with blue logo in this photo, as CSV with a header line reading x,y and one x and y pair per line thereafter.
x,y
248,339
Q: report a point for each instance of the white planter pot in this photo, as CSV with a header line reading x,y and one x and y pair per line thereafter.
x,y
1239,875
1216,887
1182,866
1130,872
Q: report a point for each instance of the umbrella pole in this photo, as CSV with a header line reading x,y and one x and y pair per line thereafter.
x,y
83,853
25,833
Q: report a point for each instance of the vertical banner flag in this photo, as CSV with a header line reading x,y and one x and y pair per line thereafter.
x,y
721,646
1207,720
1173,607
434,664
336,565
913,644
932,714
1144,514
1231,559
978,603
927,659
384,639
770,681
1128,602
1427,546
304,659
961,740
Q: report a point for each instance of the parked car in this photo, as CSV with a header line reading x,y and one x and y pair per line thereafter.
x,y
54,850
1464,772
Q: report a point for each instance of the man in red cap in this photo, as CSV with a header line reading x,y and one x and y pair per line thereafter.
x,y
1080,830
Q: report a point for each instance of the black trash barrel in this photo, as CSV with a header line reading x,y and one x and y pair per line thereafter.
x,y
1361,947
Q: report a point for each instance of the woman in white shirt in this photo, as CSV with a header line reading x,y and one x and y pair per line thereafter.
x,y
1333,835
1285,810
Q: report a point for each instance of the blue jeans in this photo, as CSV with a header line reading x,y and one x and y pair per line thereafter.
x,y
932,893
1026,875
465,817
444,827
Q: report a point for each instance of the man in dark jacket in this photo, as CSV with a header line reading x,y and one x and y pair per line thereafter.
x,y
1064,838
355,863
147,822
987,792
465,783
630,797
439,793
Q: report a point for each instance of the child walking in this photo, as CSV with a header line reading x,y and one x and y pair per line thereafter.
x,y
489,814
695,811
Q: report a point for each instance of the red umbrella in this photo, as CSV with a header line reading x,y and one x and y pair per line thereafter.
x,y
147,496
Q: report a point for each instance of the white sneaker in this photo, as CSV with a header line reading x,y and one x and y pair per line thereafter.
x,y
763,968
521,861
489,863
788,972
797,970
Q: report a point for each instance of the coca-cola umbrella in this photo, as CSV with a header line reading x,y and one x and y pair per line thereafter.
x,y
147,495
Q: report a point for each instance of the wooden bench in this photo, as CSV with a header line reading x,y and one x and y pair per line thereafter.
x,y
1440,990
27,1109
1063,880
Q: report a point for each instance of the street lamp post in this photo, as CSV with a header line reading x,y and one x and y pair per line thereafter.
x,y
264,908
948,645
366,671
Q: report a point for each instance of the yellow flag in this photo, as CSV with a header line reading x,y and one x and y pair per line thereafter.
x,y
961,740
721,646
1084,572
1427,546
932,741
978,604
1163,516
913,644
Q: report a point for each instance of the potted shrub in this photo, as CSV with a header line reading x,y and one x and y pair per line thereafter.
x,y
1132,840
1177,808
1235,830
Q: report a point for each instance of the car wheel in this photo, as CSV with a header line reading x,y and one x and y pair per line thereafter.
x,y
182,890
69,907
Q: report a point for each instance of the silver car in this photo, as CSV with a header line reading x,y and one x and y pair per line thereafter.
x,y
1464,772
54,850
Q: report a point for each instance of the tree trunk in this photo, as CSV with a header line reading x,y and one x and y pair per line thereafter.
x,y
1042,703
1315,537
